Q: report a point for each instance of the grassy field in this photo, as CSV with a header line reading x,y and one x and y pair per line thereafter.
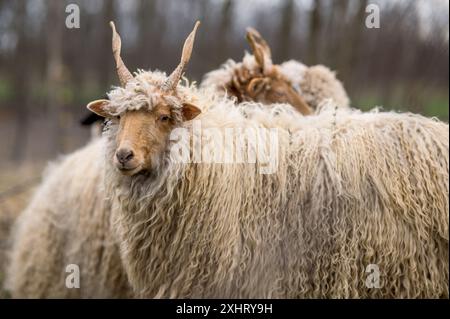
x,y
430,105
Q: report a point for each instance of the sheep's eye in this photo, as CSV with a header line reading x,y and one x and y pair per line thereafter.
x,y
279,94
164,118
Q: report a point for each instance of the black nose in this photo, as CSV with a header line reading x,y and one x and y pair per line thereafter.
x,y
124,155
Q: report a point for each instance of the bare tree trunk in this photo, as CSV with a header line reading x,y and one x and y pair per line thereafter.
x,y
353,50
337,30
314,33
224,29
20,87
105,68
287,19
146,19
55,25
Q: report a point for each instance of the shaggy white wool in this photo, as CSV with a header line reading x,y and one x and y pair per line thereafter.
x,y
68,222
294,71
143,92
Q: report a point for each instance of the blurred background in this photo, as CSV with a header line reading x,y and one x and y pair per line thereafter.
x,y
48,73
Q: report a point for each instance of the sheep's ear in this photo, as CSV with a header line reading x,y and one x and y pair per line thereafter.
x,y
190,111
100,107
256,85
261,50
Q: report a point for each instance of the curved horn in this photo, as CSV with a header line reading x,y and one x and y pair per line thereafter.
x,y
261,49
171,82
122,71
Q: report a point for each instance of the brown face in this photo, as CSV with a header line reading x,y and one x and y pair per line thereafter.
x,y
142,138
266,84
267,89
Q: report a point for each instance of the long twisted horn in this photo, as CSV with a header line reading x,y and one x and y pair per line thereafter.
x,y
171,82
261,50
122,71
